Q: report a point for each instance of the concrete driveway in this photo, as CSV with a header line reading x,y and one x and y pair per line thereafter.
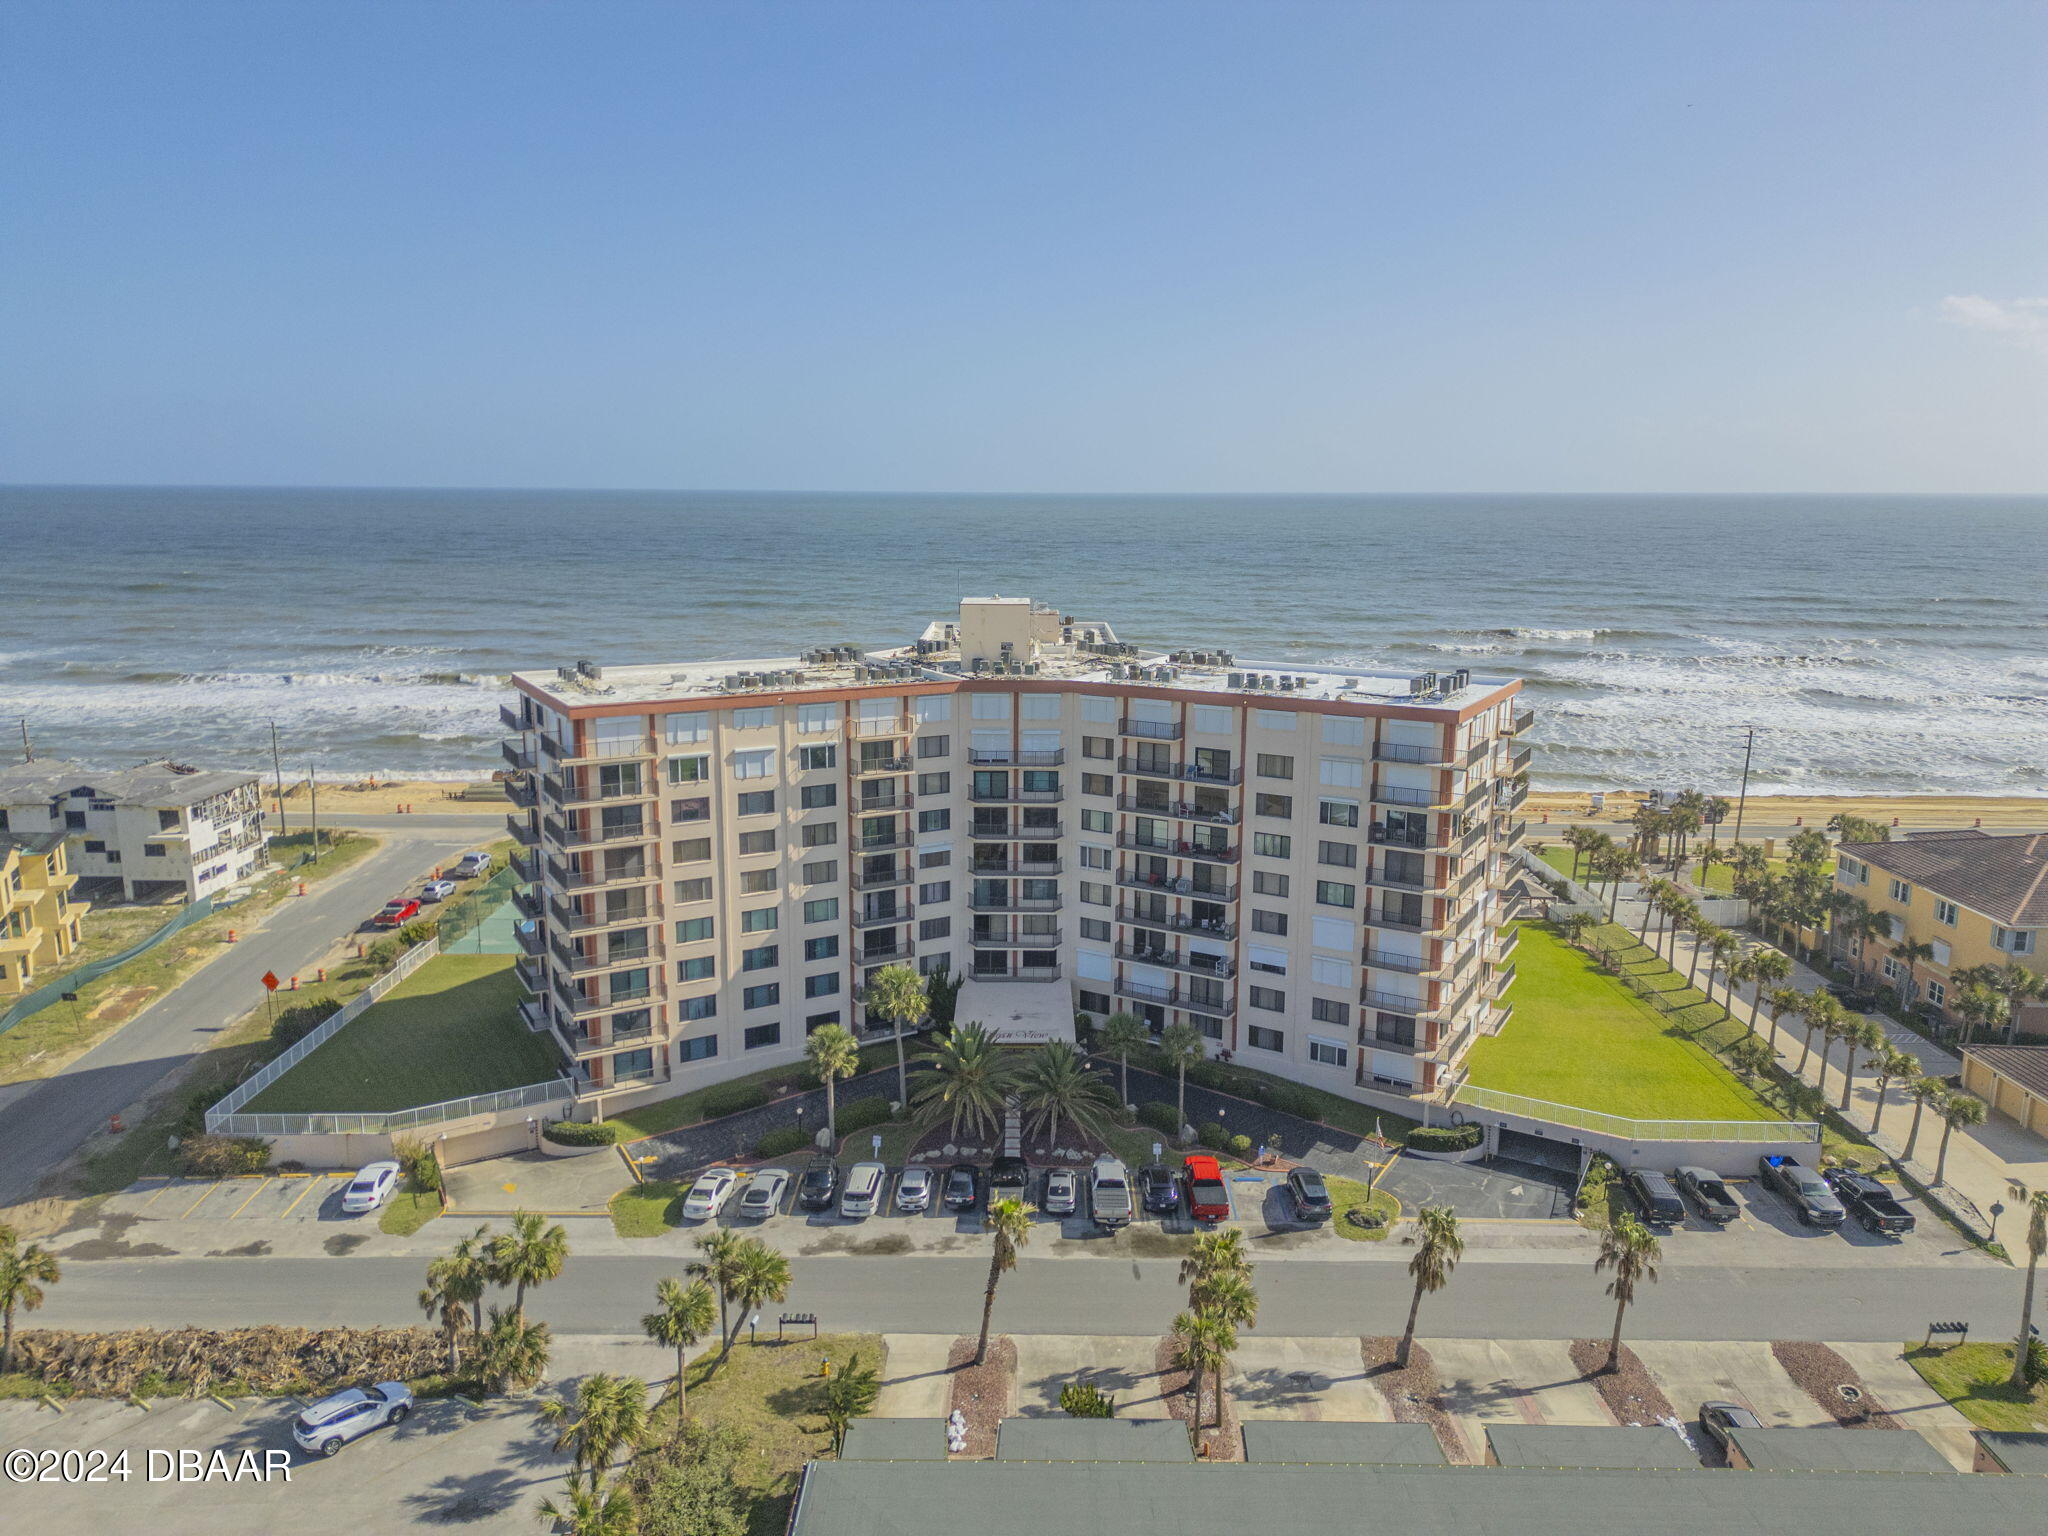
x,y
1298,1378
1517,1192
1730,1372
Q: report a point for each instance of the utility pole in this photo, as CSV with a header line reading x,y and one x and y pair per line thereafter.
x,y
28,751
1742,797
277,766
313,806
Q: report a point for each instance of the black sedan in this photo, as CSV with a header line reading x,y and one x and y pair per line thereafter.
x,y
1708,1193
963,1187
1158,1190
819,1186
1308,1194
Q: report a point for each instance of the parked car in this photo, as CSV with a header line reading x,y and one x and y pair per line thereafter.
x,y
963,1187
1657,1197
1062,1192
403,910
1109,1194
438,890
1157,1190
1717,1419
475,862
1803,1189
1308,1194
914,1190
708,1195
1874,1206
370,1188
1709,1192
865,1183
819,1186
331,1423
1208,1199
1008,1178
763,1195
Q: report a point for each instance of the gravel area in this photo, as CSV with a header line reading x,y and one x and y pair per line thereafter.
x,y
1176,1389
1821,1373
1321,1146
982,1393
732,1138
1414,1395
1630,1392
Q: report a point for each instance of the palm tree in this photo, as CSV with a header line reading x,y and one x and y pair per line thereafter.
x,y
1655,893
1582,840
1723,951
2036,1203
25,1268
1962,1109
1203,1345
762,1275
1123,1033
1713,814
1009,1223
1055,1085
1627,1248
970,1079
1215,1253
683,1315
850,1394
512,1352
1703,931
607,1413
591,1510
528,1256
833,1053
447,1293
1977,1006
1227,1294
1780,1001
1751,1056
1892,1065
1923,1091
1709,856
1181,1045
898,994
720,1269
1912,951
1817,1011
467,1268
1438,1247
1768,968
1866,1036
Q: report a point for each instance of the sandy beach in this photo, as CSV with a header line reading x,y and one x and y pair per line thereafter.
x,y
383,797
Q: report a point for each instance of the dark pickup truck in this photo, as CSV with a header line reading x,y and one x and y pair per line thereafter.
x,y
1869,1202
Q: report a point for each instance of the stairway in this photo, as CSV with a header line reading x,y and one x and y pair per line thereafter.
x,y
1013,1129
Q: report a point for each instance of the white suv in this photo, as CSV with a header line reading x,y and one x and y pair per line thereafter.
x,y
332,1422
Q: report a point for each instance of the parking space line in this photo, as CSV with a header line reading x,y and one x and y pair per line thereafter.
x,y
252,1196
311,1185
164,1190
202,1199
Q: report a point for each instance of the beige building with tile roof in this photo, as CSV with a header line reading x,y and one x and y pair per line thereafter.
x,y
39,922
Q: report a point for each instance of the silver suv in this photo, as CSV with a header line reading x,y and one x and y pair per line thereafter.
x,y
332,1422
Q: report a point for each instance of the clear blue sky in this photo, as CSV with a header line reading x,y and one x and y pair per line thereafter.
x,y
1060,245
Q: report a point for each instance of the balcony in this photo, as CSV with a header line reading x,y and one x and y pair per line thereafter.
x,y
1517,791
1178,810
1386,960
1389,794
1007,867
567,792
885,954
1381,878
1521,721
623,749
1513,837
900,874
1015,757
1379,917
509,718
1176,997
569,879
1393,1002
1020,973
576,963
874,767
1394,752
531,975
1153,730
1505,945
1176,885
523,831
882,805
895,725
1214,927
1502,980
567,919
517,758
527,904
1010,938
895,842
888,918
1177,960
564,836
576,1005
1016,796
1178,848
1519,763
533,1015
1009,832
522,793
1013,904
525,868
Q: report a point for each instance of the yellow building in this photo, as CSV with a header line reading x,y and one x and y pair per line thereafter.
x,y
1973,897
38,919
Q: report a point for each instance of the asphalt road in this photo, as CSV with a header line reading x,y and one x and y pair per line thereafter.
x,y
44,1121
1504,1300
483,827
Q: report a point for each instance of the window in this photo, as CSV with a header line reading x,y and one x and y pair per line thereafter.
x,y
1945,912
1325,972
753,765
1327,1011
702,1048
1272,845
1276,719
1341,772
1393,1029
991,706
824,910
1094,1002
703,968
1266,883
757,882
698,809
813,1022
763,1034
1265,1039
824,984
757,802
1272,999
166,821
1329,1053
1268,922
1336,933
1097,821
820,834
1339,813
152,850
934,821
932,965
757,842
821,871
1901,892
1272,805
765,996
1941,954
1096,929
697,1008
689,770
2014,941
933,706
760,920
1937,993
1097,707
1344,730
95,845
693,890
752,719
1098,746
1274,765
815,797
628,986
1039,706
935,928
1097,784
1096,858
826,948
1343,855
764,958
934,746
1334,893
934,858
682,730
1266,957
935,783
1210,719
937,891
691,930
814,719
1892,969
1093,894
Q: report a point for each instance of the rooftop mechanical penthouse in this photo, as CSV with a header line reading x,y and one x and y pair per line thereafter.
x,y
1303,863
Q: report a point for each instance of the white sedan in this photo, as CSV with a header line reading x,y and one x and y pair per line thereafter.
x,y
370,1188
438,890
713,1187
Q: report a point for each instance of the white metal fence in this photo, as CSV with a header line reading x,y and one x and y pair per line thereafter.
x,y
1624,1129
558,1091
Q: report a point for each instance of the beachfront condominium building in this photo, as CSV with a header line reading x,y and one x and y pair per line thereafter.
x,y
1303,863
38,918
158,829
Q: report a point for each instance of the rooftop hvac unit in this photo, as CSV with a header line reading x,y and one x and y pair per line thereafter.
x,y
1031,669
1225,658
860,674
1460,678
1350,682
1237,679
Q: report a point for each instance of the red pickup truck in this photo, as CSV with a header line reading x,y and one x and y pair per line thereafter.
x,y
1208,1200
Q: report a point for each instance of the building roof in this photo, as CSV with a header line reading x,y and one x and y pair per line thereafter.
x,y
35,843
1838,1450
1064,1439
2021,1452
1011,1498
149,784
2025,1065
1336,1442
2003,877
1568,1445
895,1440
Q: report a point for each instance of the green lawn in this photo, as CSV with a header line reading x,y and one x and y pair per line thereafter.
x,y
1719,881
1580,1037
648,1209
1348,1195
689,1108
1972,1377
449,1030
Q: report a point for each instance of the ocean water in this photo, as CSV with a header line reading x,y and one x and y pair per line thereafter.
x,y
1880,644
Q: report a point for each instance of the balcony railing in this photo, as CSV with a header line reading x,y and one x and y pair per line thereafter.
x,y
1010,831
516,756
1016,757
508,717
1386,960
1187,771
531,975
1176,885
569,920
1392,1002
1178,810
1013,904
1178,848
526,903
1380,917
1009,867
522,830
1214,927
1010,938
1177,959
887,918
521,792
1511,799
1020,973
635,873
1512,838
883,805
884,954
1016,796
1395,752
605,959
900,838
870,767
1155,730
895,725
1380,877
901,874
525,868
1390,794
567,792
1177,997
594,750
1502,980
576,1005
589,837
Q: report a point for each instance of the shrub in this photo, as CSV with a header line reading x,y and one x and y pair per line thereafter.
x,y
418,931
301,1019
731,1099
583,1133
1084,1030
383,954
1240,1146
862,1113
2037,1362
216,1157
1289,1100
780,1143
416,1157
1213,1075
1212,1136
1085,1400
1446,1138
1161,1117
192,1118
